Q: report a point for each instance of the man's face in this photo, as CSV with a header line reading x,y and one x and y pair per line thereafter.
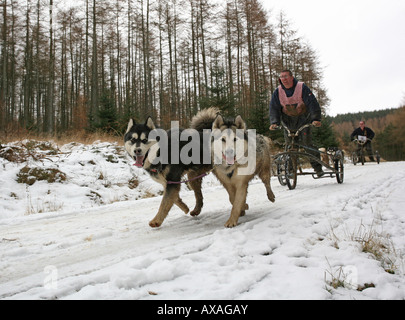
x,y
287,80
362,125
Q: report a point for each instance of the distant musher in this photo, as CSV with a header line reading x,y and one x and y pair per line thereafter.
x,y
364,132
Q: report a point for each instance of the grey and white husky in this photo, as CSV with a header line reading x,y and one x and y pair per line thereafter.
x,y
237,168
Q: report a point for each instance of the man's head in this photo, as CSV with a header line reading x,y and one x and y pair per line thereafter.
x,y
287,79
362,124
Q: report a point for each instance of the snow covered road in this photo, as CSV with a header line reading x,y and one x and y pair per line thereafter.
x,y
297,248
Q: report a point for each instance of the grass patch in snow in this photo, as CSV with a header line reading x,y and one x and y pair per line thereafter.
x,y
379,245
29,175
371,240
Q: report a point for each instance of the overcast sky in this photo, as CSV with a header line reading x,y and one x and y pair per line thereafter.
x,y
361,46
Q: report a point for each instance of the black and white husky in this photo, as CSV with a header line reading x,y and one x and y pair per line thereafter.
x,y
167,158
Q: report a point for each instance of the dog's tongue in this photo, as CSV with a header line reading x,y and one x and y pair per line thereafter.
x,y
139,162
229,160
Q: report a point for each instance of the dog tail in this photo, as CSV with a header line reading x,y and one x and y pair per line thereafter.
x,y
204,119
269,142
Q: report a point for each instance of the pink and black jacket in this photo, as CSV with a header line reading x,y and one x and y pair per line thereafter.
x,y
296,106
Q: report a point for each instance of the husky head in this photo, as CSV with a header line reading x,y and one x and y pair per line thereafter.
x,y
137,142
230,140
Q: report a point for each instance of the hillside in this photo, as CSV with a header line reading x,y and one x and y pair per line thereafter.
x,y
365,115
344,124
349,244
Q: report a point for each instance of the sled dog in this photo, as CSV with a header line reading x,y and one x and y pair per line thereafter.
x,y
146,145
234,170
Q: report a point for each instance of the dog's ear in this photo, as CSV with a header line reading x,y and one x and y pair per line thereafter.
x,y
130,125
150,124
218,122
240,124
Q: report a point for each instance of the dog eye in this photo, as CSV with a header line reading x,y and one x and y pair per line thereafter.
x,y
133,141
223,140
144,141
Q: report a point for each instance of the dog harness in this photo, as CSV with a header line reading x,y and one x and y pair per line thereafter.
x,y
293,106
155,172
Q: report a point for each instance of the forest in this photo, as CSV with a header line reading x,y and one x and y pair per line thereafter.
x,y
90,65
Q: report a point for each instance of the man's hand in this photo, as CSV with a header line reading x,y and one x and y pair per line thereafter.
x,y
274,127
317,124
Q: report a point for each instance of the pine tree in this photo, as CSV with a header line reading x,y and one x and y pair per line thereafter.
x,y
218,93
259,118
107,114
324,137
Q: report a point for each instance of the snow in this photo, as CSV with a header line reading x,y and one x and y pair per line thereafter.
x,y
88,237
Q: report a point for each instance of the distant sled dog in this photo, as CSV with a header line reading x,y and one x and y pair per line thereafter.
x,y
238,168
145,143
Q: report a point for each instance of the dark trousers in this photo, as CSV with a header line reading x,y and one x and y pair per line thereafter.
x,y
369,150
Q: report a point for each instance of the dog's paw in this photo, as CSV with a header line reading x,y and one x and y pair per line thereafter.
x,y
195,213
231,223
155,224
271,196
